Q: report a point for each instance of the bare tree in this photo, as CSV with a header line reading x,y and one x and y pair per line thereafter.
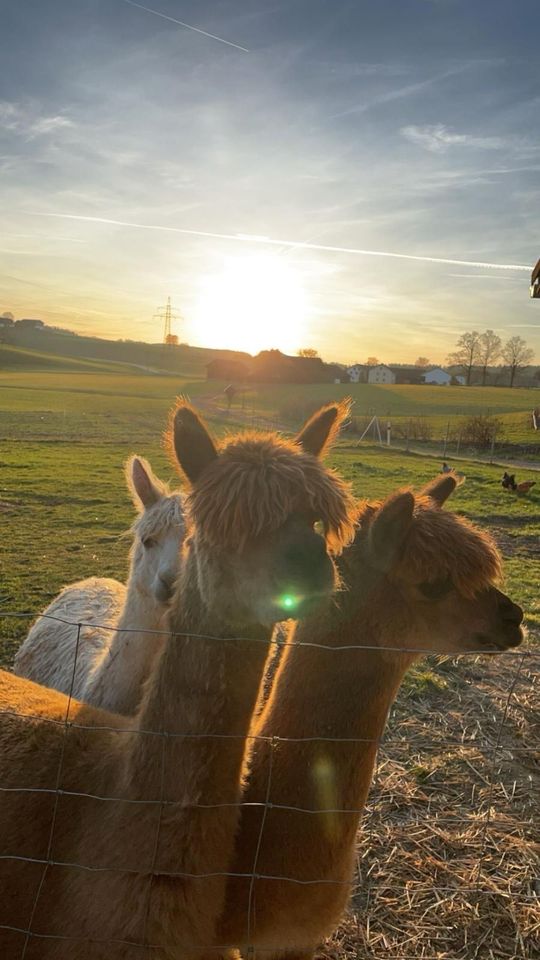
x,y
490,350
372,362
467,353
516,354
308,352
422,362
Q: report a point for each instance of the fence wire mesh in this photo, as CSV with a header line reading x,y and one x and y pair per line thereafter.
x,y
446,867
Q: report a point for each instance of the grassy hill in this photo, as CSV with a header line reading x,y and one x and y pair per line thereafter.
x,y
153,357
19,359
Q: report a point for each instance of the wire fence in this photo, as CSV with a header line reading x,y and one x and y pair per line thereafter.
x,y
405,812
479,436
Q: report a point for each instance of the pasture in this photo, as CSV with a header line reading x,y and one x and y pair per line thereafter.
x,y
445,863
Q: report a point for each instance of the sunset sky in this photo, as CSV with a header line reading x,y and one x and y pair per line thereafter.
x,y
140,158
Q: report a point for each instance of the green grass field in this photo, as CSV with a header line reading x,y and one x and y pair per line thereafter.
x,y
58,392
63,505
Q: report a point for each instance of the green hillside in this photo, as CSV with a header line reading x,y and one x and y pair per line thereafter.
x,y
20,359
152,357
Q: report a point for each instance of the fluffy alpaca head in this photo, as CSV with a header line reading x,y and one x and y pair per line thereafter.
x,y
257,483
254,501
433,575
158,532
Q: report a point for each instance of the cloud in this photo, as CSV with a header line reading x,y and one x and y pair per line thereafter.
x,y
28,123
437,138
49,125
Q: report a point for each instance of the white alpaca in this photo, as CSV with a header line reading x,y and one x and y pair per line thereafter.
x,y
114,653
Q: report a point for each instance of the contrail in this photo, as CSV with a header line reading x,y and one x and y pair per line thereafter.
x,y
481,276
299,245
188,26
42,236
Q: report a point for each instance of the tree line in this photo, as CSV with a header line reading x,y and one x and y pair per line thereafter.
x,y
477,350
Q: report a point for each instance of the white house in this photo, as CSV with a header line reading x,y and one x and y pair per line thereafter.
x,y
356,372
440,377
381,374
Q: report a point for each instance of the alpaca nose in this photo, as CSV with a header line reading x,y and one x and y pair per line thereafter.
x,y
165,584
509,610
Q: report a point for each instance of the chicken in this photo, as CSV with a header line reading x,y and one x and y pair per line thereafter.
x,y
524,486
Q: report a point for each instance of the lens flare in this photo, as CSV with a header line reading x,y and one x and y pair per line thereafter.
x,y
288,602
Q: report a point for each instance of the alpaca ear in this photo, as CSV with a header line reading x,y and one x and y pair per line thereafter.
x,y
191,442
144,486
317,435
441,487
389,528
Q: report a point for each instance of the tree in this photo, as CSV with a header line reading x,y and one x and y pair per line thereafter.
x,y
467,353
7,315
490,350
372,362
308,352
422,362
516,354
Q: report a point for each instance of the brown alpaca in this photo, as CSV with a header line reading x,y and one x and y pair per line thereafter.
x,y
90,876
416,578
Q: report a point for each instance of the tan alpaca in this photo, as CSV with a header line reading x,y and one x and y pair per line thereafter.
x,y
91,877
415,577
124,624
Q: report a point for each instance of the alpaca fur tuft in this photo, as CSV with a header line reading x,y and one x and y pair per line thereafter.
x,y
442,546
259,481
164,515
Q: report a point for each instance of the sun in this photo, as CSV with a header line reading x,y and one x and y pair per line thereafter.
x,y
255,303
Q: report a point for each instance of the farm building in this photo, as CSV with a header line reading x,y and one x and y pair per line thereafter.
x,y
29,324
357,373
272,366
441,377
394,374
381,374
407,374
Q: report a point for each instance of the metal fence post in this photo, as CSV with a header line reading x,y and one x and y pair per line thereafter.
x,y
446,438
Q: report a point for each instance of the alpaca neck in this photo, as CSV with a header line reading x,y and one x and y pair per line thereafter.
x,y
202,691
117,681
142,610
341,696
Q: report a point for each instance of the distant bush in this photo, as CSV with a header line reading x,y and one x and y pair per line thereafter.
x,y
417,428
478,430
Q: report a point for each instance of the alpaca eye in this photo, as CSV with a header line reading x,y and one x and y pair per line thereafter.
x,y
148,543
435,589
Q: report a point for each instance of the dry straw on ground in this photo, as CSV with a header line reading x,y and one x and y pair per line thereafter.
x,y
448,865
